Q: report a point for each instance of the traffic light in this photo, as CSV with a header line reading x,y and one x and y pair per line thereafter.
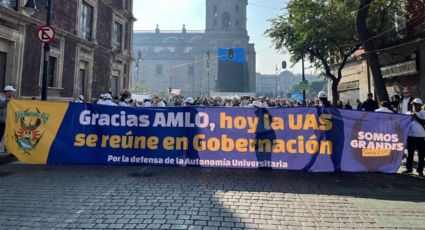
x,y
230,53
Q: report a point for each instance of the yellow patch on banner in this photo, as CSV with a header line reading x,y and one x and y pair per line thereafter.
x,y
31,128
376,152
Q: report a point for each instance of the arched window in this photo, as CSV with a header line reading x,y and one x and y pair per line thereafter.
x,y
225,21
237,8
215,13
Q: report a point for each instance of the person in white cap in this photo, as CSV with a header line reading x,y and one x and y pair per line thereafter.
x,y
4,99
188,101
416,138
108,100
80,99
323,99
101,99
123,102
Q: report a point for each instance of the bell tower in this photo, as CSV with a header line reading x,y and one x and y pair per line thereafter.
x,y
226,27
226,16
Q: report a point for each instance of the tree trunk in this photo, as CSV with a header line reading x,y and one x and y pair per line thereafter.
x,y
371,55
335,93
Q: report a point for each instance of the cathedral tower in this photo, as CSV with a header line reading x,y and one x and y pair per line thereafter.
x,y
226,27
226,16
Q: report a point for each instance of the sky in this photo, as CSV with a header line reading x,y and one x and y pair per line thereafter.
x,y
172,14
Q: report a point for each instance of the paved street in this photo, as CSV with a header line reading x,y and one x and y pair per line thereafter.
x,y
64,197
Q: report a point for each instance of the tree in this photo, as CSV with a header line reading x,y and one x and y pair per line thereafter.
x,y
139,88
315,87
380,22
321,30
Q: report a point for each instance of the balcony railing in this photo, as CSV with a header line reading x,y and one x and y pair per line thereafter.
x,y
11,4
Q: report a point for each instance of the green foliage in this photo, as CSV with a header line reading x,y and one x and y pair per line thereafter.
x,y
324,31
316,29
163,94
139,88
314,88
383,16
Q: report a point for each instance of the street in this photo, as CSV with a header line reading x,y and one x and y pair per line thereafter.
x,y
85,197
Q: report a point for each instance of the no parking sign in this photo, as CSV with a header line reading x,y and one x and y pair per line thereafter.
x,y
45,34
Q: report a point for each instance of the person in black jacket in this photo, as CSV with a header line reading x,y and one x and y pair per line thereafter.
x,y
323,99
370,104
348,105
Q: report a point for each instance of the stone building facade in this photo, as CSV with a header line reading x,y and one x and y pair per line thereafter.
x,y
91,53
188,60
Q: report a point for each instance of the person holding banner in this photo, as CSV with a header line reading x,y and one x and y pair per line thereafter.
x,y
370,104
416,138
336,134
385,108
323,99
80,99
108,100
188,101
4,99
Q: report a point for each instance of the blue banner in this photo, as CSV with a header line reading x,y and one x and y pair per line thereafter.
x,y
313,139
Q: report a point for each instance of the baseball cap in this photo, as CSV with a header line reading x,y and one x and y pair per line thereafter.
x,y
189,100
81,97
417,101
322,94
107,96
9,88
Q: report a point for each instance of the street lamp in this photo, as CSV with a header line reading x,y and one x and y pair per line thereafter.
x,y
277,70
208,72
139,66
30,9
303,77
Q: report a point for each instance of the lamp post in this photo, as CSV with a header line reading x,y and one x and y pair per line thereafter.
x,y
276,71
208,73
139,67
30,8
303,75
277,86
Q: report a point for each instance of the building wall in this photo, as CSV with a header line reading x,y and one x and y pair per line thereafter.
x,y
173,52
355,83
413,82
422,68
30,84
409,48
73,53
69,68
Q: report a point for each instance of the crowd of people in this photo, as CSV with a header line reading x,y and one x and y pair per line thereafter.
x,y
397,104
404,104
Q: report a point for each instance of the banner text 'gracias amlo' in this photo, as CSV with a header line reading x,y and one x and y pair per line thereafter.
x,y
200,142
307,138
